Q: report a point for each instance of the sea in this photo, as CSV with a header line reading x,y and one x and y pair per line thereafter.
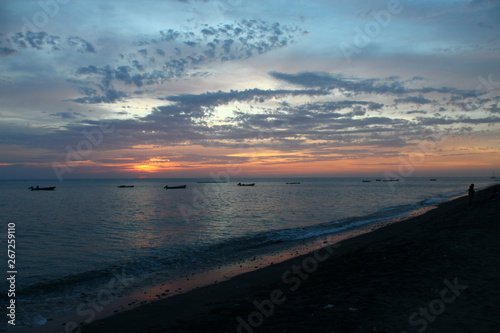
x,y
89,248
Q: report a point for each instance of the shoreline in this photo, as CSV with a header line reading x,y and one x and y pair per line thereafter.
x,y
234,301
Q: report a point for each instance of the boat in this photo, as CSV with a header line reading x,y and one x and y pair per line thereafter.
x,y
42,188
378,180
240,184
366,181
174,187
294,183
125,186
432,179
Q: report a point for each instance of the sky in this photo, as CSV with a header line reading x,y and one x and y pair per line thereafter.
x,y
235,88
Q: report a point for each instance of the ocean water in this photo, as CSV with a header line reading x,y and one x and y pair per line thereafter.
x,y
72,240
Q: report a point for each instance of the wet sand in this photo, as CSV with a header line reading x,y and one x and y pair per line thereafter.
x,y
438,272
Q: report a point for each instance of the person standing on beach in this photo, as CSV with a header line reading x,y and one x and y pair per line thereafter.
x,y
471,193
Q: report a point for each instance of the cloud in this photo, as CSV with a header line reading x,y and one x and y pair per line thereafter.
x,y
255,95
458,120
493,108
186,51
416,112
81,45
414,99
43,41
329,81
384,86
311,125
110,95
5,51
193,118
67,115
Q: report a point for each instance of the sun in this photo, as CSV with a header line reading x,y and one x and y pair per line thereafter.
x,y
146,168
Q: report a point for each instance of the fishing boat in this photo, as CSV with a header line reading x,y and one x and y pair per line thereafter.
x,y
366,181
174,187
240,184
42,188
125,186
432,179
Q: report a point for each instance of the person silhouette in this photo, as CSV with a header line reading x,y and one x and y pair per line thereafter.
x,y
471,193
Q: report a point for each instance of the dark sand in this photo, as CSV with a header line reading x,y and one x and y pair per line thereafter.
x,y
441,270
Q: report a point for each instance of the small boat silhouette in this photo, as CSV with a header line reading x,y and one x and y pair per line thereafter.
x,y
174,187
41,188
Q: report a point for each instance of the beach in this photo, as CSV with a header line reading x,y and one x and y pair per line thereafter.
x,y
437,272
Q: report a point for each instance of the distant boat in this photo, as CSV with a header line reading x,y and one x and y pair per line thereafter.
x,y
125,186
174,187
391,180
240,184
42,188
294,183
432,179
366,181
378,180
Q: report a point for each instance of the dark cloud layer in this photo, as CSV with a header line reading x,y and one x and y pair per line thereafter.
x,y
329,81
386,86
193,119
414,99
255,95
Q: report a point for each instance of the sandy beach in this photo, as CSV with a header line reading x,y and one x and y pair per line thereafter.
x,y
437,272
